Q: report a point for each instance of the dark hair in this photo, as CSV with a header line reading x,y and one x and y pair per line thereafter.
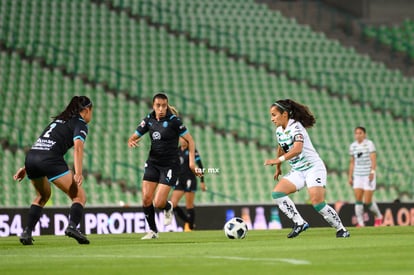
x,y
296,111
75,106
361,128
170,108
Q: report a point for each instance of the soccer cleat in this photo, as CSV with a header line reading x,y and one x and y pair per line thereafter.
x,y
297,229
168,214
378,222
187,227
150,235
343,234
26,238
73,232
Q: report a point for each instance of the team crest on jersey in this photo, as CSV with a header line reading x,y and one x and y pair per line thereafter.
x,y
156,135
165,124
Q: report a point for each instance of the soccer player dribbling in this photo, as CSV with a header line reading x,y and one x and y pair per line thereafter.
x,y
307,168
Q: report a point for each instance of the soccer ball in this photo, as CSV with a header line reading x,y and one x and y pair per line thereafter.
x,y
235,228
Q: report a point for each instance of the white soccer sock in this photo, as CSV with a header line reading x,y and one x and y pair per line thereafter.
x,y
373,207
330,215
287,206
359,213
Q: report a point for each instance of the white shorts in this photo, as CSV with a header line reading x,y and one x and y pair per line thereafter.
x,y
315,176
362,182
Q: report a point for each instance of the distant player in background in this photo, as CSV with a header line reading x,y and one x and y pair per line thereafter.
x,y
162,167
362,176
44,164
307,168
187,184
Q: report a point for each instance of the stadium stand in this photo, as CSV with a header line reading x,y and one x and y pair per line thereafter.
x,y
224,100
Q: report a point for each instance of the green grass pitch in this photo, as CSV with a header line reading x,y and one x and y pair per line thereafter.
x,y
370,250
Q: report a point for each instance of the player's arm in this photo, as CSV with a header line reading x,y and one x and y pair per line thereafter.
x,y
78,160
373,157
200,165
351,170
293,152
133,140
191,153
20,174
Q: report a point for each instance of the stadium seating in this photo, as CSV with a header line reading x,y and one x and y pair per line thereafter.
x,y
207,85
399,37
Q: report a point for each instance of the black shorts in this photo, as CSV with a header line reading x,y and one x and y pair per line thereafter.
x,y
45,164
162,174
186,183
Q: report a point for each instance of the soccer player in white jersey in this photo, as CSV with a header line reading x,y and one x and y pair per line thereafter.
x,y
307,168
362,175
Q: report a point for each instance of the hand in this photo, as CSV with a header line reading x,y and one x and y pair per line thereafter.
x,y
271,162
133,141
203,186
277,174
351,181
20,174
371,177
196,171
78,179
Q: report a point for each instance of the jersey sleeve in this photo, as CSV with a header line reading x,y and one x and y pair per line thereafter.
x,y
80,131
142,127
297,133
199,163
182,130
371,147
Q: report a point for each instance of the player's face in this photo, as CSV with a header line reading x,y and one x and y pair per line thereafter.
x,y
87,114
278,118
359,135
160,107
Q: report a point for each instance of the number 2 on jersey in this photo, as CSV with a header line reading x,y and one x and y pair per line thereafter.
x,y
47,134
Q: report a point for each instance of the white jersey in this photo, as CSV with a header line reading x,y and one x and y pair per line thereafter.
x,y
296,132
361,153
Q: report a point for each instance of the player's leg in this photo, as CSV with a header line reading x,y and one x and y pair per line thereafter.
x,y
168,178
161,202
359,206
43,191
175,198
77,194
148,190
189,205
316,182
288,185
317,197
369,189
359,187
373,207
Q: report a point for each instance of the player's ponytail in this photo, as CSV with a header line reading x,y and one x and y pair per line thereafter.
x,y
75,106
173,110
296,111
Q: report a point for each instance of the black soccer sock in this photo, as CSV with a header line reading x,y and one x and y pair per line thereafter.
x,y
191,217
76,212
149,212
167,206
33,217
179,211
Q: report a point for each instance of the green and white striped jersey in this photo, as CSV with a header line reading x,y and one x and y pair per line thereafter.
x,y
296,132
361,153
